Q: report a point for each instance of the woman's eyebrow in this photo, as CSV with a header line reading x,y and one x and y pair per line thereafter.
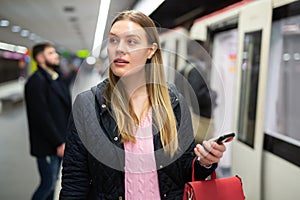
x,y
133,35
127,36
110,33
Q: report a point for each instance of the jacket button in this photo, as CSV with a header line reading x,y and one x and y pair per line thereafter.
x,y
160,166
116,138
165,195
103,106
120,198
176,99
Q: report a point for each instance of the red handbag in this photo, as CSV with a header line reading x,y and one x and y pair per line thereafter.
x,y
229,188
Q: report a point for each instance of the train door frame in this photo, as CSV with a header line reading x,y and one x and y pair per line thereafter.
x,y
243,151
174,53
223,81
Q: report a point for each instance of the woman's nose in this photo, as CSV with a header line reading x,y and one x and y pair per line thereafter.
x,y
121,47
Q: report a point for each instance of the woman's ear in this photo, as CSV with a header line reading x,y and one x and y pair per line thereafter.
x,y
152,50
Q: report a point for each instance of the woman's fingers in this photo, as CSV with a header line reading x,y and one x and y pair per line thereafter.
x,y
210,152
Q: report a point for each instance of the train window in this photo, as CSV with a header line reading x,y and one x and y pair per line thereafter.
x,y
249,87
283,111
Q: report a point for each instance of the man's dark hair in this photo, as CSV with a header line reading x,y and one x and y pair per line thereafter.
x,y
39,48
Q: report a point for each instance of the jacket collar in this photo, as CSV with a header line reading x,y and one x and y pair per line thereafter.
x,y
59,89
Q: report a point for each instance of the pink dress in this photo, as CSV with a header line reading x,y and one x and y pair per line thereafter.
x,y
141,180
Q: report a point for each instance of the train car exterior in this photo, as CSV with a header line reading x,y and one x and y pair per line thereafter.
x,y
254,48
261,59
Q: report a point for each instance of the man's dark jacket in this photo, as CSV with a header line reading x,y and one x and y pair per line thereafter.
x,y
93,164
48,104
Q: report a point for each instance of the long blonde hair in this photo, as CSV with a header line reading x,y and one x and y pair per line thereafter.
x,y
156,87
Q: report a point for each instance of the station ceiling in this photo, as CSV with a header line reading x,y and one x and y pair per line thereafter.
x,y
71,24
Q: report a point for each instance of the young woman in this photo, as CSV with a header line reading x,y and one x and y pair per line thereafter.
x,y
132,137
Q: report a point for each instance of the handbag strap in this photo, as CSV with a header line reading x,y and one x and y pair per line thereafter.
x,y
212,176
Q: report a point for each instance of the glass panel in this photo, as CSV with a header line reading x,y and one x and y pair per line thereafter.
x,y
283,96
249,87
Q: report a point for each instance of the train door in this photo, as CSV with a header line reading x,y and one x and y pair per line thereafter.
x,y
223,81
254,36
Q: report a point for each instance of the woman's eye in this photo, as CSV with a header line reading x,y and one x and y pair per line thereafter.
x,y
132,41
113,40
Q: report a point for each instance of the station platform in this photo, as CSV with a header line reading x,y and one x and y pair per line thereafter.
x,y
18,170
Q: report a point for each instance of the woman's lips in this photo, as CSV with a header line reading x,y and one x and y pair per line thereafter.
x,y
120,62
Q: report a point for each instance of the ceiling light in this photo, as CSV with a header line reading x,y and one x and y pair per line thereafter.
x,y
13,48
15,29
21,49
99,33
24,33
38,39
4,23
6,46
91,60
32,36
147,6
69,8
73,19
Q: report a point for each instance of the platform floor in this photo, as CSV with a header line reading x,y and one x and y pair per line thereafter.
x,y
18,170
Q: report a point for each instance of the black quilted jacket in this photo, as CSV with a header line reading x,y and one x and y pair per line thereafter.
x,y
93,164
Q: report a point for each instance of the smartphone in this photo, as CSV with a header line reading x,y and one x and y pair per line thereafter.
x,y
228,137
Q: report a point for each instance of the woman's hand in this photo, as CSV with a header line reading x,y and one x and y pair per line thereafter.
x,y
60,150
209,152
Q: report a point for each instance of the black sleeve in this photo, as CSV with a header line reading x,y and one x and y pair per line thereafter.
x,y
75,173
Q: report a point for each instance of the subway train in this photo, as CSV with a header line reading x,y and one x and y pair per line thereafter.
x,y
254,56
255,68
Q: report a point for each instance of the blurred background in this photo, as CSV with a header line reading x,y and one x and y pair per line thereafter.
x,y
253,57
